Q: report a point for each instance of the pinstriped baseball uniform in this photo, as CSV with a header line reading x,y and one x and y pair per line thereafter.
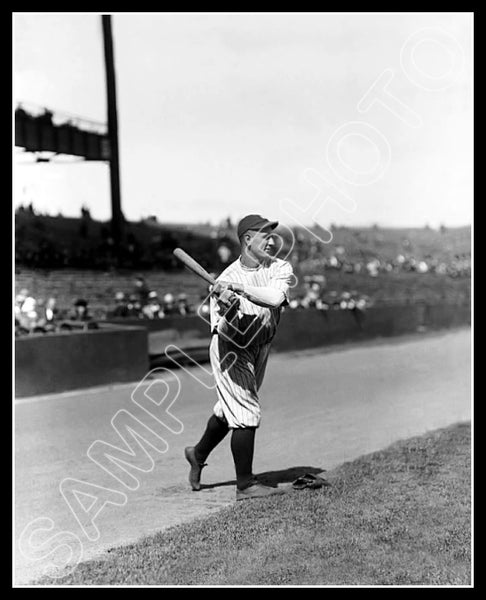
x,y
254,327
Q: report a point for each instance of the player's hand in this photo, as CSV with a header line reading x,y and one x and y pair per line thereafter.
x,y
236,287
228,303
227,297
219,287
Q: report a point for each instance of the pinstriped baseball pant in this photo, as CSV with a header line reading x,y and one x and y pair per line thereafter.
x,y
238,382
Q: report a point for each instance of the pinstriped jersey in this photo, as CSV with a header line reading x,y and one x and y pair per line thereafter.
x,y
254,324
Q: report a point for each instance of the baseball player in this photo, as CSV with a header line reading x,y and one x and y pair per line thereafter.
x,y
245,308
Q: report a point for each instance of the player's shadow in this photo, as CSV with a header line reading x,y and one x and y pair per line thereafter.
x,y
272,478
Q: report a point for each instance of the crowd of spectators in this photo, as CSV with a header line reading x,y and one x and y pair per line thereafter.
x,y
311,255
55,242
141,302
34,315
43,242
43,316
144,303
315,295
352,261
38,316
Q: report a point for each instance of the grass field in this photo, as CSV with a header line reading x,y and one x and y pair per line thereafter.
x,y
400,516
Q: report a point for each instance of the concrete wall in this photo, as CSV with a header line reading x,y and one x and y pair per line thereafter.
x,y
59,362
309,329
48,363
339,324
192,324
299,330
443,315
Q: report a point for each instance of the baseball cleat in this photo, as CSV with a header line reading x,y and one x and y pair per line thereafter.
x,y
196,468
258,490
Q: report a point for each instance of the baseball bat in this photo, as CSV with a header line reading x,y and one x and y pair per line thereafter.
x,y
193,265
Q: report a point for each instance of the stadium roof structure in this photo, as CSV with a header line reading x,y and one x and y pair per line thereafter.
x,y
42,130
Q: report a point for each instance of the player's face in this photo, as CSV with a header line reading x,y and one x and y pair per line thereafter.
x,y
261,245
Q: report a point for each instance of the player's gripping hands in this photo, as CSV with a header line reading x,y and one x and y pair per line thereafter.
x,y
221,286
228,302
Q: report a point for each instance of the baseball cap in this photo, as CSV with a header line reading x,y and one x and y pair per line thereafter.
x,y
255,222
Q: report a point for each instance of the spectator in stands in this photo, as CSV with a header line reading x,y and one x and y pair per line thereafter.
x,y
313,293
334,262
134,307
343,302
141,290
169,306
81,311
51,312
27,315
203,309
26,312
153,309
334,301
121,306
322,304
224,254
21,296
294,303
422,267
373,266
19,301
183,307
47,315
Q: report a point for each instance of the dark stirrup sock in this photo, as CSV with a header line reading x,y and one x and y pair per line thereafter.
x,y
242,446
216,430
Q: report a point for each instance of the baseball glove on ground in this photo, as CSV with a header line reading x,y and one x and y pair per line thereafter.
x,y
310,481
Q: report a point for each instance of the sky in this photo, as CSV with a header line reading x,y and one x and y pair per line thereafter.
x,y
225,114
